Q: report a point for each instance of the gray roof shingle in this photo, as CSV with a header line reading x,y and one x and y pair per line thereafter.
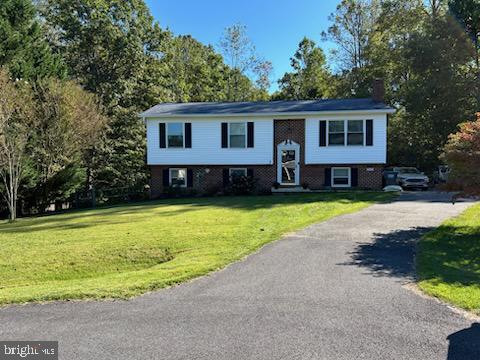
x,y
263,107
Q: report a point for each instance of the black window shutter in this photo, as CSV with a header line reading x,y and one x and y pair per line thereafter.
x,y
250,132
369,132
226,177
250,173
188,135
224,135
328,176
166,177
189,177
323,133
163,143
354,179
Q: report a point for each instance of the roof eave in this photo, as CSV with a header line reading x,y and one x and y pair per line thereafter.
x,y
276,115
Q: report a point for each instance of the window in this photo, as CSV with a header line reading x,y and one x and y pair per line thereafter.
x,y
340,177
336,132
237,135
237,172
355,132
352,128
175,135
178,177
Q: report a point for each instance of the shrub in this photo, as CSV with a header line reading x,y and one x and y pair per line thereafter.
x,y
241,185
176,191
264,191
462,154
213,190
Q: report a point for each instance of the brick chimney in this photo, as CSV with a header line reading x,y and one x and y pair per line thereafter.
x,y
378,92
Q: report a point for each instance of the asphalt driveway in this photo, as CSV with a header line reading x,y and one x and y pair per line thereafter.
x,y
335,290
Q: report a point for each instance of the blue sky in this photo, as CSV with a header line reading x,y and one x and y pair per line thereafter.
x,y
274,26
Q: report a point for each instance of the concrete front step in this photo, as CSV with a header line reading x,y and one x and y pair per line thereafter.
x,y
290,189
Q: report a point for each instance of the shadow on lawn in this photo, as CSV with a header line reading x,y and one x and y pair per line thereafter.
x,y
186,205
391,254
449,254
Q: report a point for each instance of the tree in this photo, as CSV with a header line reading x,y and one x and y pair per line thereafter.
x,y
462,154
353,25
310,77
23,46
195,72
468,13
263,71
114,49
437,94
70,125
16,128
240,55
397,23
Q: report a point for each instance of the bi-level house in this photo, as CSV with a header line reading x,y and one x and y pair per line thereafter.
x,y
322,144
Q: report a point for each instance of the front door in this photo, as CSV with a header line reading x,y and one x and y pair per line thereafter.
x,y
288,163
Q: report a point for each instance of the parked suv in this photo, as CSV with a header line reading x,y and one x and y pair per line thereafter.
x,y
410,178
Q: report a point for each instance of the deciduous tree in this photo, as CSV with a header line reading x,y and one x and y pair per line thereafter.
x,y
114,49
462,154
243,60
437,94
70,126
310,78
16,129
468,13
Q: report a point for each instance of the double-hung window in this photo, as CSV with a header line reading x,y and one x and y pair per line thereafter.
x,y
336,132
345,132
237,135
178,177
175,133
341,177
355,132
236,173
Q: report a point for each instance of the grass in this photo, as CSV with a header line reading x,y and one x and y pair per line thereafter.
x,y
124,251
448,262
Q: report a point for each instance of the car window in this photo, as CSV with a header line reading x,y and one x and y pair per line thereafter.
x,y
409,171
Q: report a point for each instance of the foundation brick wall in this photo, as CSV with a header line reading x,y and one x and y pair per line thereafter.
x,y
207,178
369,176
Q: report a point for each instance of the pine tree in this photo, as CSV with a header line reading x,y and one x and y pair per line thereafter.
x,y
23,46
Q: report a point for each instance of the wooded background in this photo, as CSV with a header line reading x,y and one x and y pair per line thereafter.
x,y
76,74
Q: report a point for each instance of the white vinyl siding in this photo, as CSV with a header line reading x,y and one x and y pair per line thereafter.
x,y
207,144
352,154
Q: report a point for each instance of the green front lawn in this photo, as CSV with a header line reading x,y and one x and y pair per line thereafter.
x,y
448,261
127,250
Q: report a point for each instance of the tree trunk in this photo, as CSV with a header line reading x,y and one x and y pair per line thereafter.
x,y
13,211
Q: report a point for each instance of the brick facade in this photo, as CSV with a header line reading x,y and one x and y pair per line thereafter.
x,y
208,178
